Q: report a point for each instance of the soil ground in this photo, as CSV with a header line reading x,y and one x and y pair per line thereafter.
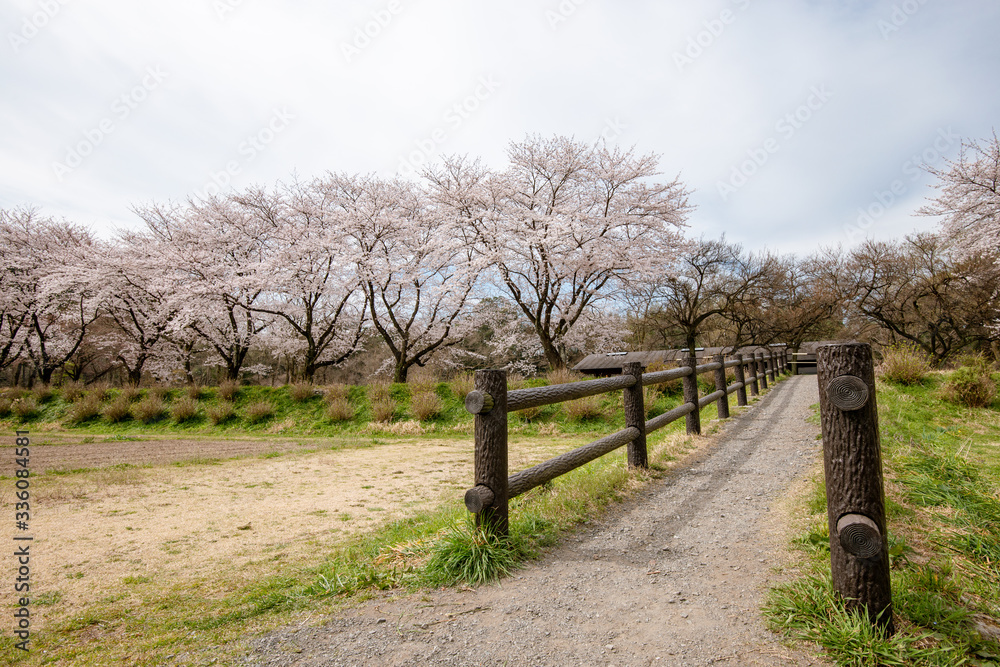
x,y
675,576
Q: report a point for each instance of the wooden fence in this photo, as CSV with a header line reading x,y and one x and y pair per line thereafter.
x,y
490,402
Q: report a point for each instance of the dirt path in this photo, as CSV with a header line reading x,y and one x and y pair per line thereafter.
x,y
674,577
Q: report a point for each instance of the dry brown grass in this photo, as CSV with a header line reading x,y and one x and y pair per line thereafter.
x,y
582,409
384,409
425,405
462,384
184,409
220,412
338,409
228,389
258,411
117,410
335,392
149,409
301,391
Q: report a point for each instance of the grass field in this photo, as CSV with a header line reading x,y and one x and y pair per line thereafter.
x,y
942,471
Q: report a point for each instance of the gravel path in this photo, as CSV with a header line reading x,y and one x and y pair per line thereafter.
x,y
675,576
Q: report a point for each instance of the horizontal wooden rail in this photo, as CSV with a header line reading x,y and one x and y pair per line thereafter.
x,y
491,403
564,463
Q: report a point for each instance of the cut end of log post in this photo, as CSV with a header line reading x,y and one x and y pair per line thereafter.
x,y
847,392
478,498
859,536
478,402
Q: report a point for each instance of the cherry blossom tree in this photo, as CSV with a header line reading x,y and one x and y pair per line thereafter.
x,y
969,199
216,248
308,275
565,226
416,265
49,296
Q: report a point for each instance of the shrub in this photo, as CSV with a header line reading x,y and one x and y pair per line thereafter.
x,y
130,394
335,392
25,408
379,391
903,364
301,391
383,409
184,409
159,392
425,404
971,385
422,381
462,384
194,391
149,409
42,393
339,410
5,404
588,407
102,390
72,391
117,410
221,412
258,412
529,414
563,375
85,409
228,389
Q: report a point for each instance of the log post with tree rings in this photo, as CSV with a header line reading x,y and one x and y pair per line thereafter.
x,y
852,464
722,403
752,368
693,418
635,416
762,369
741,393
489,495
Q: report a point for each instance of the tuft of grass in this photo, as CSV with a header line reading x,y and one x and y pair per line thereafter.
x,y
117,410
334,392
149,409
25,408
384,409
258,411
130,394
903,364
184,409
379,391
339,410
228,389
42,394
301,391
84,409
467,554
563,376
5,405
194,391
461,385
971,385
220,413
72,391
584,409
425,405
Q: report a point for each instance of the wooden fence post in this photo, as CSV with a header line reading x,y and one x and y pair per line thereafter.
x,y
762,369
722,404
635,415
752,368
488,499
770,364
741,393
693,419
852,463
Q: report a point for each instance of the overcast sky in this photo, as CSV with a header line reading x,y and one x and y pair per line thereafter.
x,y
796,123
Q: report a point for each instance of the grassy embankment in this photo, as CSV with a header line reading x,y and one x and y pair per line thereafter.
x,y
145,620
942,472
